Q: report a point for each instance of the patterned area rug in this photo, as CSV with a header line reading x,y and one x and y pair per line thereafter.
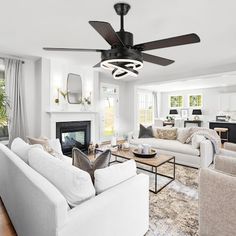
x,y
174,210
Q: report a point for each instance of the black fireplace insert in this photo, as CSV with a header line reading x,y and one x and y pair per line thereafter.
x,y
73,134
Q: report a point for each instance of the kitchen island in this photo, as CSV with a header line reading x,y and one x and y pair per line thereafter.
x,y
231,125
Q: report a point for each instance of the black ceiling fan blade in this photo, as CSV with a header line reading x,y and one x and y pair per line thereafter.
x,y
97,65
169,42
73,49
107,32
157,60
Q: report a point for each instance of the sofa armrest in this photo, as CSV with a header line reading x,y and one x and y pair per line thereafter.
x,y
225,152
217,197
226,164
206,153
121,210
230,146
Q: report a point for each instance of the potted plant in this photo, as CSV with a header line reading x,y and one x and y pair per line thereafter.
x,y
3,113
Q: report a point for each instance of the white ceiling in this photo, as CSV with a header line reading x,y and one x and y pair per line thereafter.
x,y
201,82
28,25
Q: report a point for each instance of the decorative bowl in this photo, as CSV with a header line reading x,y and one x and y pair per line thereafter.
x,y
151,154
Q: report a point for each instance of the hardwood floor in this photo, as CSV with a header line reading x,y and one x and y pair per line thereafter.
x,y
6,227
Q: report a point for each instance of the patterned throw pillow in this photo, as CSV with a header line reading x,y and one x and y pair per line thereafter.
x,y
80,160
183,134
42,141
52,146
145,132
166,133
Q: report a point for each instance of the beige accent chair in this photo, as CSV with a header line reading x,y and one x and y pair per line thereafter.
x,y
217,198
230,146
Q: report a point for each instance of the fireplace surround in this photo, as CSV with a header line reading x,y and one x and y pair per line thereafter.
x,y
73,134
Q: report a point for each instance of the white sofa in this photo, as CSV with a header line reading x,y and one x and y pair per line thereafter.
x,y
184,154
37,208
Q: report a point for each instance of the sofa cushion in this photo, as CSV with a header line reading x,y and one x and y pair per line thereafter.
x,y
21,148
113,175
166,133
145,132
74,184
168,145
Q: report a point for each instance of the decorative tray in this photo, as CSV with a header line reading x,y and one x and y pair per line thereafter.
x,y
151,154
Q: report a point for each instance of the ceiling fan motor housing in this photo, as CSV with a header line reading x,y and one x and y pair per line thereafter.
x,y
122,53
126,38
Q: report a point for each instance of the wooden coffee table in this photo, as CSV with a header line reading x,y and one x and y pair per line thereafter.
x,y
154,163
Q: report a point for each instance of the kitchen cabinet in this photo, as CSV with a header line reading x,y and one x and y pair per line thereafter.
x,y
224,124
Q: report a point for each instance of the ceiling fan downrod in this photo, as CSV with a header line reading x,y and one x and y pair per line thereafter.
x,y
122,9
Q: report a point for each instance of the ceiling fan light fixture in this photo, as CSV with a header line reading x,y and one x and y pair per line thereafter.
x,y
122,67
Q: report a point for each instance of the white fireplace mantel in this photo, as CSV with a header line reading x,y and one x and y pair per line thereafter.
x,y
67,112
73,115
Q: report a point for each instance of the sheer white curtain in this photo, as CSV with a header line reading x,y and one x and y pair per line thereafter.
x,y
14,91
156,103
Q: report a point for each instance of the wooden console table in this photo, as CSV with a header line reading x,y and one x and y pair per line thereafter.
x,y
198,122
170,123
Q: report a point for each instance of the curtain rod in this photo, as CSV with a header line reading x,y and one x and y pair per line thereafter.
x,y
12,58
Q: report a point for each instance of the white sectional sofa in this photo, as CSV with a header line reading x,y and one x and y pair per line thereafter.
x,y
37,208
185,154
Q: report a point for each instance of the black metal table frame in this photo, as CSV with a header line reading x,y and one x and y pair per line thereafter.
x,y
156,190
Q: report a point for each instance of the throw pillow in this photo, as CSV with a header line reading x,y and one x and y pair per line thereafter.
x,y
21,148
193,130
55,145
41,141
166,133
145,132
113,175
183,134
74,184
52,146
80,160
196,140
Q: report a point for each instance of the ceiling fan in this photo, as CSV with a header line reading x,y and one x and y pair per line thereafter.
x,y
124,58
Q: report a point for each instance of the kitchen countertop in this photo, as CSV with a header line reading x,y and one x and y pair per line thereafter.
x,y
225,122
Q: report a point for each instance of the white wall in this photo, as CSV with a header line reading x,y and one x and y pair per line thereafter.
x,y
59,72
42,76
211,101
30,101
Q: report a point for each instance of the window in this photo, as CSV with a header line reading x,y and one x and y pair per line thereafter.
x,y
109,114
3,104
195,101
145,108
176,101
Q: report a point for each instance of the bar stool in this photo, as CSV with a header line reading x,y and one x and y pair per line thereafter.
x,y
221,131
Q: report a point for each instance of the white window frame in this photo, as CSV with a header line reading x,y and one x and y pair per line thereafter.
x,y
137,106
102,137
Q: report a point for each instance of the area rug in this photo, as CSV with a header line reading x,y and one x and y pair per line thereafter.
x,y
174,210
